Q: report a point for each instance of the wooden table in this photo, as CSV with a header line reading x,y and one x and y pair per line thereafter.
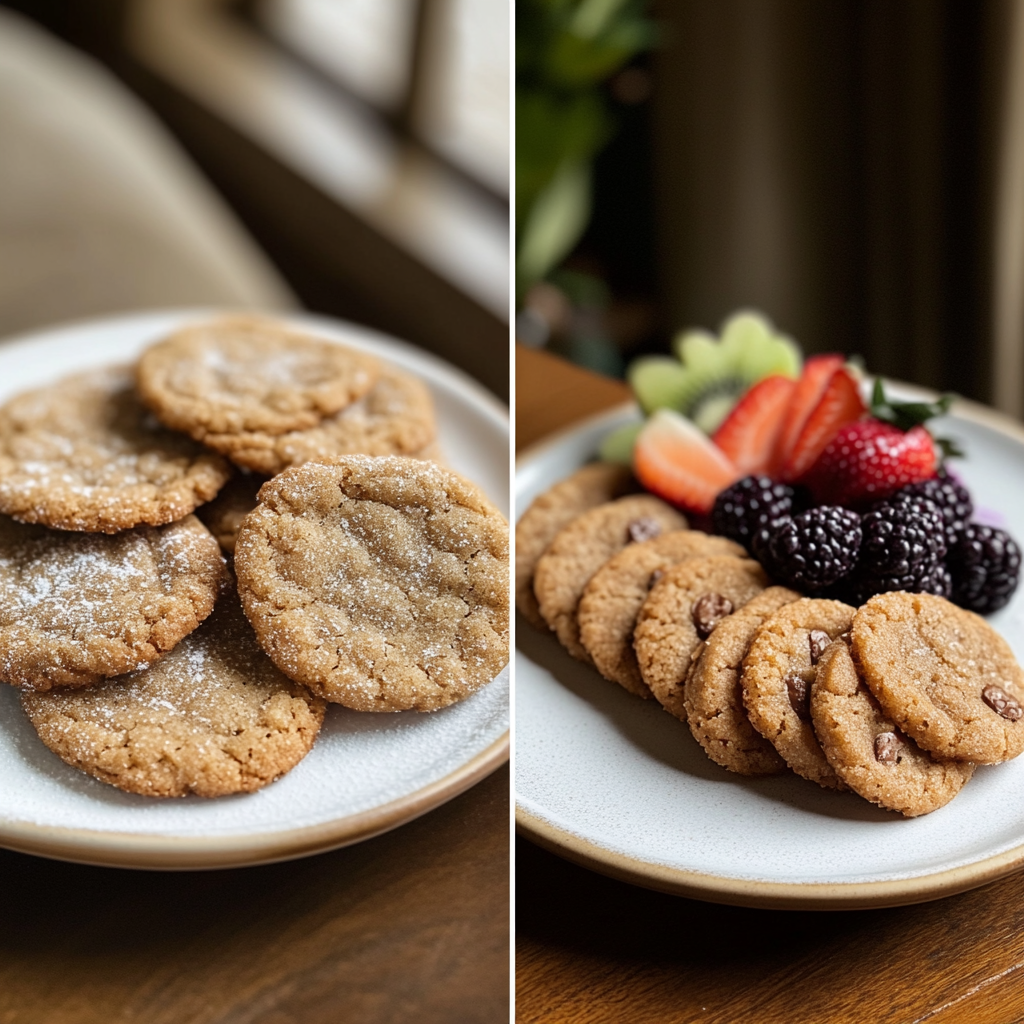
x,y
591,950
409,928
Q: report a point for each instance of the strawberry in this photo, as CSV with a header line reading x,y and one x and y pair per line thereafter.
x,y
870,460
813,380
750,431
839,404
675,460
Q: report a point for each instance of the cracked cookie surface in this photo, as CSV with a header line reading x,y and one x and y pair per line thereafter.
x,y
249,374
213,717
395,417
77,607
85,454
381,583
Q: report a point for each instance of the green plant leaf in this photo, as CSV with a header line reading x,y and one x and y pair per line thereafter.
x,y
554,223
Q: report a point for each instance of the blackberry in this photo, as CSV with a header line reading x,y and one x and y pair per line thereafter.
x,y
903,548
748,506
813,550
904,536
858,587
985,565
951,497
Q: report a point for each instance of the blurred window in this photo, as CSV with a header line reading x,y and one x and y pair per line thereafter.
x,y
399,109
443,64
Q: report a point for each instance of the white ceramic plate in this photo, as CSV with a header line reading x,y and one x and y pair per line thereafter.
x,y
366,774
616,784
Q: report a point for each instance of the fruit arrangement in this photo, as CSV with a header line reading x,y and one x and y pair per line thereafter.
x,y
835,496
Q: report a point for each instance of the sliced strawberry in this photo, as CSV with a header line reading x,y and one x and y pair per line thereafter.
x,y
809,388
750,431
675,460
870,460
840,404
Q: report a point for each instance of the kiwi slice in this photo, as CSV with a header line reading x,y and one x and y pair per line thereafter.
x,y
711,374
618,445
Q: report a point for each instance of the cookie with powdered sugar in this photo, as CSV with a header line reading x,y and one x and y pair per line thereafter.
x,y
85,454
246,373
380,583
213,717
76,607
395,417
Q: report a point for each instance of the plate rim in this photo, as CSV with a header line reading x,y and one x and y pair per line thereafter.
x,y
752,892
161,852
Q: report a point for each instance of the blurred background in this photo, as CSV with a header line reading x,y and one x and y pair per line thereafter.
x,y
347,156
852,168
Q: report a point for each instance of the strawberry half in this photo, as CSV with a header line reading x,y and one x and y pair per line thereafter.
x,y
840,403
750,431
675,460
871,460
809,388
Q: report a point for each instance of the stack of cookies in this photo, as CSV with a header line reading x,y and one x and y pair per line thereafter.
x,y
897,700
373,577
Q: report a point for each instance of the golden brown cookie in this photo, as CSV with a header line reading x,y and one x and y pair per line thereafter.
x,y
212,717
778,673
611,600
866,748
713,696
582,547
395,417
84,454
943,675
225,513
682,609
381,583
590,486
244,373
77,607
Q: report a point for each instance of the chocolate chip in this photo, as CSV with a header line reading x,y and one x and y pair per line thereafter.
x,y
644,528
819,640
799,696
887,748
708,611
655,576
1002,703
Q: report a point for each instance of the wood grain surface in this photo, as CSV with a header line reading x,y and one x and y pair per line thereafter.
x,y
412,926
592,950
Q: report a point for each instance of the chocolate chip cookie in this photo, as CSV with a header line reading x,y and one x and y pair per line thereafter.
x,y
683,609
713,695
212,717
588,487
867,749
778,673
611,600
380,583
582,547
249,374
85,454
943,675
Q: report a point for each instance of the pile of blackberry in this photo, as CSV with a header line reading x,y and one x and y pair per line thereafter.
x,y
921,539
